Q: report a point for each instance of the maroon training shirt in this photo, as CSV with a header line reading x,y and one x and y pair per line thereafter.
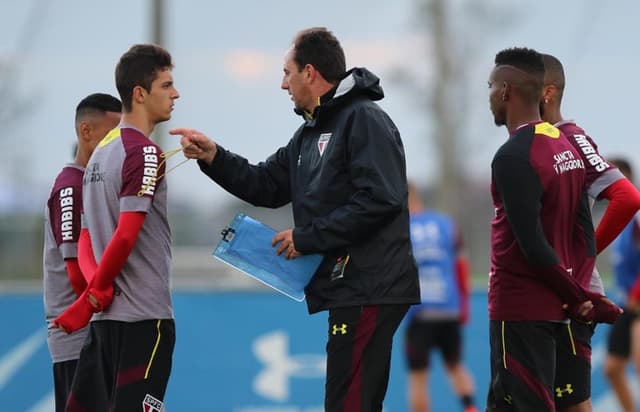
x,y
541,214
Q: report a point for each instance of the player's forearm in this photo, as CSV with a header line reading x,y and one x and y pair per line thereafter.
x,y
76,278
463,274
346,225
119,248
624,202
560,281
86,257
265,184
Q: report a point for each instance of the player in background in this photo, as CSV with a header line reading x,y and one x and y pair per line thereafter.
x,y
63,279
542,224
603,181
126,360
624,336
436,323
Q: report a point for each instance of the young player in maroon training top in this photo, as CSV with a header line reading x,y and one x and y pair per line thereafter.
x,y
603,180
541,214
63,279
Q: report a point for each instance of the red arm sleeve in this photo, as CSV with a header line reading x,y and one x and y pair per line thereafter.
x,y
624,202
118,249
634,293
77,280
100,288
463,273
86,258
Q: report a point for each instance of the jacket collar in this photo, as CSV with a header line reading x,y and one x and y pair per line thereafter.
x,y
357,81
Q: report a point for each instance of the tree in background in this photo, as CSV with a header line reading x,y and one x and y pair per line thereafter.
x,y
454,34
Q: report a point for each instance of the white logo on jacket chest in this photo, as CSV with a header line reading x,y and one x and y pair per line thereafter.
x,y
323,141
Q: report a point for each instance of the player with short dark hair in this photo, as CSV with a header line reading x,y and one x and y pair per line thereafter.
x,y
541,212
603,181
63,279
137,70
126,361
344,172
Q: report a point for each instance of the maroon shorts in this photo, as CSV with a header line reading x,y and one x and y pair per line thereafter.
x,y
523,355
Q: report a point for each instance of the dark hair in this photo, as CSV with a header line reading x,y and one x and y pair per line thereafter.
x,y
528,61
623,165
97,103
139,66
554,72
318,47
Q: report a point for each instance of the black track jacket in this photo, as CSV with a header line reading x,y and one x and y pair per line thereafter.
x,y
344,172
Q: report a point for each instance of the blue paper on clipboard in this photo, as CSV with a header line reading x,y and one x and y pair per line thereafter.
x,y
246,246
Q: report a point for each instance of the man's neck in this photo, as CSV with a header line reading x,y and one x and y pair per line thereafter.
x,y
82,157
142,123
525,117
553,116
320,90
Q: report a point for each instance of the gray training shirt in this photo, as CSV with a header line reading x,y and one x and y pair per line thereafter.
x,y
61,232
121,177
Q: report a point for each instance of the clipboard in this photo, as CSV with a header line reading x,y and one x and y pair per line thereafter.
x,y
246,246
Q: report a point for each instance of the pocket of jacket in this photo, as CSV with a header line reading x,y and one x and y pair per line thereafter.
x,y
339,267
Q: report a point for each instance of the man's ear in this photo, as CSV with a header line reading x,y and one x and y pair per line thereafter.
x,y
547,93
309,72
84,130
506,90
139,94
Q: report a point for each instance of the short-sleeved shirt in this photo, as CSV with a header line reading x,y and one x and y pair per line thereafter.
x,y
436,243
61,232
125,174
546,174
600,174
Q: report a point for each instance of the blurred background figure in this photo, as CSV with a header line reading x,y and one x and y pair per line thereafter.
x,y
624,336
436,323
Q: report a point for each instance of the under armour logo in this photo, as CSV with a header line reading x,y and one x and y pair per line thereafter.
x,y
342,329
568,390
279,366
508,399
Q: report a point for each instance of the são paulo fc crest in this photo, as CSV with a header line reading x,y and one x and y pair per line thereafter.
x,y
323,141
151,404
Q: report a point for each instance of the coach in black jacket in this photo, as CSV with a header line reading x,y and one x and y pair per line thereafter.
x,y
344,172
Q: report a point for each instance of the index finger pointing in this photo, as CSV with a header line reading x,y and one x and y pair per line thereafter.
x,y
181,131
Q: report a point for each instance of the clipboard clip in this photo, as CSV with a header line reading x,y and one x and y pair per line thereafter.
x,y
228,234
